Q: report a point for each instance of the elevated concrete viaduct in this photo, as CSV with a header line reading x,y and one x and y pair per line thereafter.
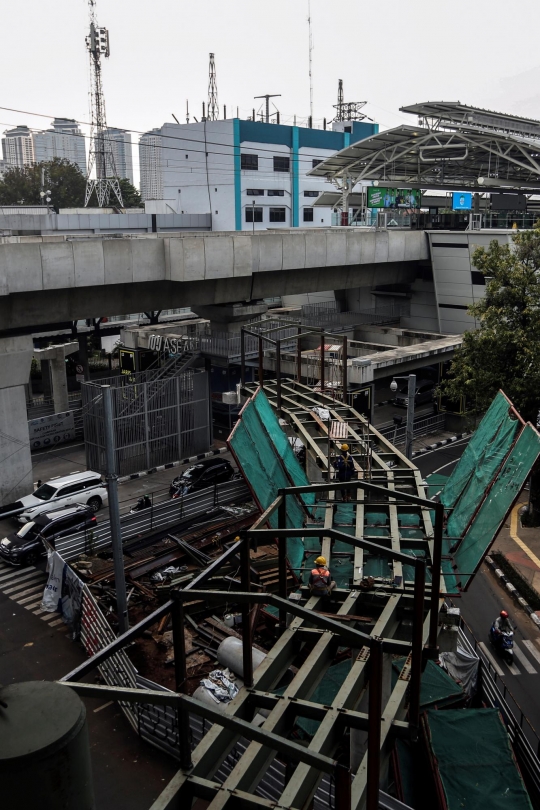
x,y
47,280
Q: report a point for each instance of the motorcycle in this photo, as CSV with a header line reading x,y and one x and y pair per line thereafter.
x,y
143,503
503,642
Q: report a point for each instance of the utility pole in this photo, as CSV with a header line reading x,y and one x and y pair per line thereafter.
x,y
310,64
213,108
409,430
101,156
268,96
114,511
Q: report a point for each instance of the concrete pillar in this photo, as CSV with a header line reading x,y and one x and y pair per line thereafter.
x,y
46,379
59,383
83,354
15,461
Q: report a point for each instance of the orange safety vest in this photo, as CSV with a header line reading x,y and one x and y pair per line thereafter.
x,y
321,579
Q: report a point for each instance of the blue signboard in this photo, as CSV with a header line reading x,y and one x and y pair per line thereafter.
x,y
461,201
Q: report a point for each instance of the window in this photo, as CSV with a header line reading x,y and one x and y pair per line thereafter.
x,y
315,162
275,192
347,129
281,164
253,214
308,214
255,192
249,162
311,193
78,487
277,215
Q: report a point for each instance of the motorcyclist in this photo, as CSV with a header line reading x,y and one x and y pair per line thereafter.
x,y
320,579
502,624
145,502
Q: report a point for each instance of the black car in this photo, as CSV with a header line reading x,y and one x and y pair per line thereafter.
x,y
25,547
201,475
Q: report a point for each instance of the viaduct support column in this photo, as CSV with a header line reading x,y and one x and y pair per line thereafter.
x,y
55,358
15,461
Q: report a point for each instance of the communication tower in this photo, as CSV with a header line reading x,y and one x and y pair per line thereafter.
x,y
101,156
213,109
348,110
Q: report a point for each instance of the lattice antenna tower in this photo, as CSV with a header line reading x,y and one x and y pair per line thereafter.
x,y
101,155
348,110
213,109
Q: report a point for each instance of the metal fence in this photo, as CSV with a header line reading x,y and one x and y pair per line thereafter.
x,y
155,422
162,516
422,427
327,315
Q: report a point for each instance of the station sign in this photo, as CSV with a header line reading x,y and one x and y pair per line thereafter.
x,y
50,430
378,197
162,343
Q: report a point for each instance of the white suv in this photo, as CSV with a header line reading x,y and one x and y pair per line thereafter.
x,y
84,488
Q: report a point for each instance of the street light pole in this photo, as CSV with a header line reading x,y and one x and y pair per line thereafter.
x,y
409,431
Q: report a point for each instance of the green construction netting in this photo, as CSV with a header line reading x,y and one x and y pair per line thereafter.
x,y
479,464
282,445
325,693
375,518
474,760
496,506
437,687
435,484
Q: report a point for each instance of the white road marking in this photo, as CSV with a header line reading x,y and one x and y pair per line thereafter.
x,y
48,616
56,621
29,598
30,582
532,649
19,573
523,660
491,659
33,605
104,706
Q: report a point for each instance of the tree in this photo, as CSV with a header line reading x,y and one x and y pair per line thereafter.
x,y
65,181
130,196
504,351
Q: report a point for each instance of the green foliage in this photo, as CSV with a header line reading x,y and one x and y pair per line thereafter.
x,y
130,196
504,350
66,182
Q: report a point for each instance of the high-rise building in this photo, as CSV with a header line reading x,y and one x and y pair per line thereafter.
x,y
150,165
18,146
65,140
120,142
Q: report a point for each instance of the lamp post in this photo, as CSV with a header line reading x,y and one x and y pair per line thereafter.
x,y
411,391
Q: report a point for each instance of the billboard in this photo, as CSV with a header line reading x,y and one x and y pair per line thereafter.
x,y
51,430
393,197
461,201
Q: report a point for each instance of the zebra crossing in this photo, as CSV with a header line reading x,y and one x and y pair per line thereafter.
x,y
25,586
522,665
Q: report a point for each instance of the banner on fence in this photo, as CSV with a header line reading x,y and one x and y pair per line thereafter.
x,y
50,430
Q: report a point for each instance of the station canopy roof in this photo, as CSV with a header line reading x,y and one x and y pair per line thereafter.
x,y
445,154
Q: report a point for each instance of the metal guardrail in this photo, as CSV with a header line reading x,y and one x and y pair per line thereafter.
x,y
154,518
422,427
525,741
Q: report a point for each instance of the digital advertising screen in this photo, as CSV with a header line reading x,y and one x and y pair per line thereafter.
x,y
461,201
393,197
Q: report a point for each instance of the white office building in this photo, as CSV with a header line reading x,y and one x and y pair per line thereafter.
x,y
150,165
247,174
18,146
120,142
64,140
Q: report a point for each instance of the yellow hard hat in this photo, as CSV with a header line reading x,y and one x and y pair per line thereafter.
x,y
344,446
320,561
237,538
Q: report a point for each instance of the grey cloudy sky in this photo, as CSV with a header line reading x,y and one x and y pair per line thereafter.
x,y
482,52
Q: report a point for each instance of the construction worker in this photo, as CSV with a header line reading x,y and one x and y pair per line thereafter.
x,y
320,580
344,469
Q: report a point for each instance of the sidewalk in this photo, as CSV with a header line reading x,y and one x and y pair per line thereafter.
x,y
521,547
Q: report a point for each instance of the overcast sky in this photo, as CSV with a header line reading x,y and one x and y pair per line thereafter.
x,y
482,52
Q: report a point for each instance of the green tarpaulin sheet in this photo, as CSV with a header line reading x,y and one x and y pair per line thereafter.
x,y
437,687
496,506
474,760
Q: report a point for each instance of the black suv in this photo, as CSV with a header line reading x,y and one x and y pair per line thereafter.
x,y
25,547
199,476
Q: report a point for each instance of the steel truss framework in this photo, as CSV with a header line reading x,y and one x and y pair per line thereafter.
x,y
386,481
418,157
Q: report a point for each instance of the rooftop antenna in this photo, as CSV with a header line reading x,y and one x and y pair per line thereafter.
x,y
348,110
101,155
187,111
310,63
213,109
268,96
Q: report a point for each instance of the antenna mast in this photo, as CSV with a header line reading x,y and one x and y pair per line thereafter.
x,y
101,155
310,64
213,109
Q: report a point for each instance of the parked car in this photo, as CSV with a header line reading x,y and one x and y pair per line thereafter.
x,y
25,547
201,475
84,488
425,392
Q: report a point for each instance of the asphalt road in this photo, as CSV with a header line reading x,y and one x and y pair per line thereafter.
x,y
482,603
